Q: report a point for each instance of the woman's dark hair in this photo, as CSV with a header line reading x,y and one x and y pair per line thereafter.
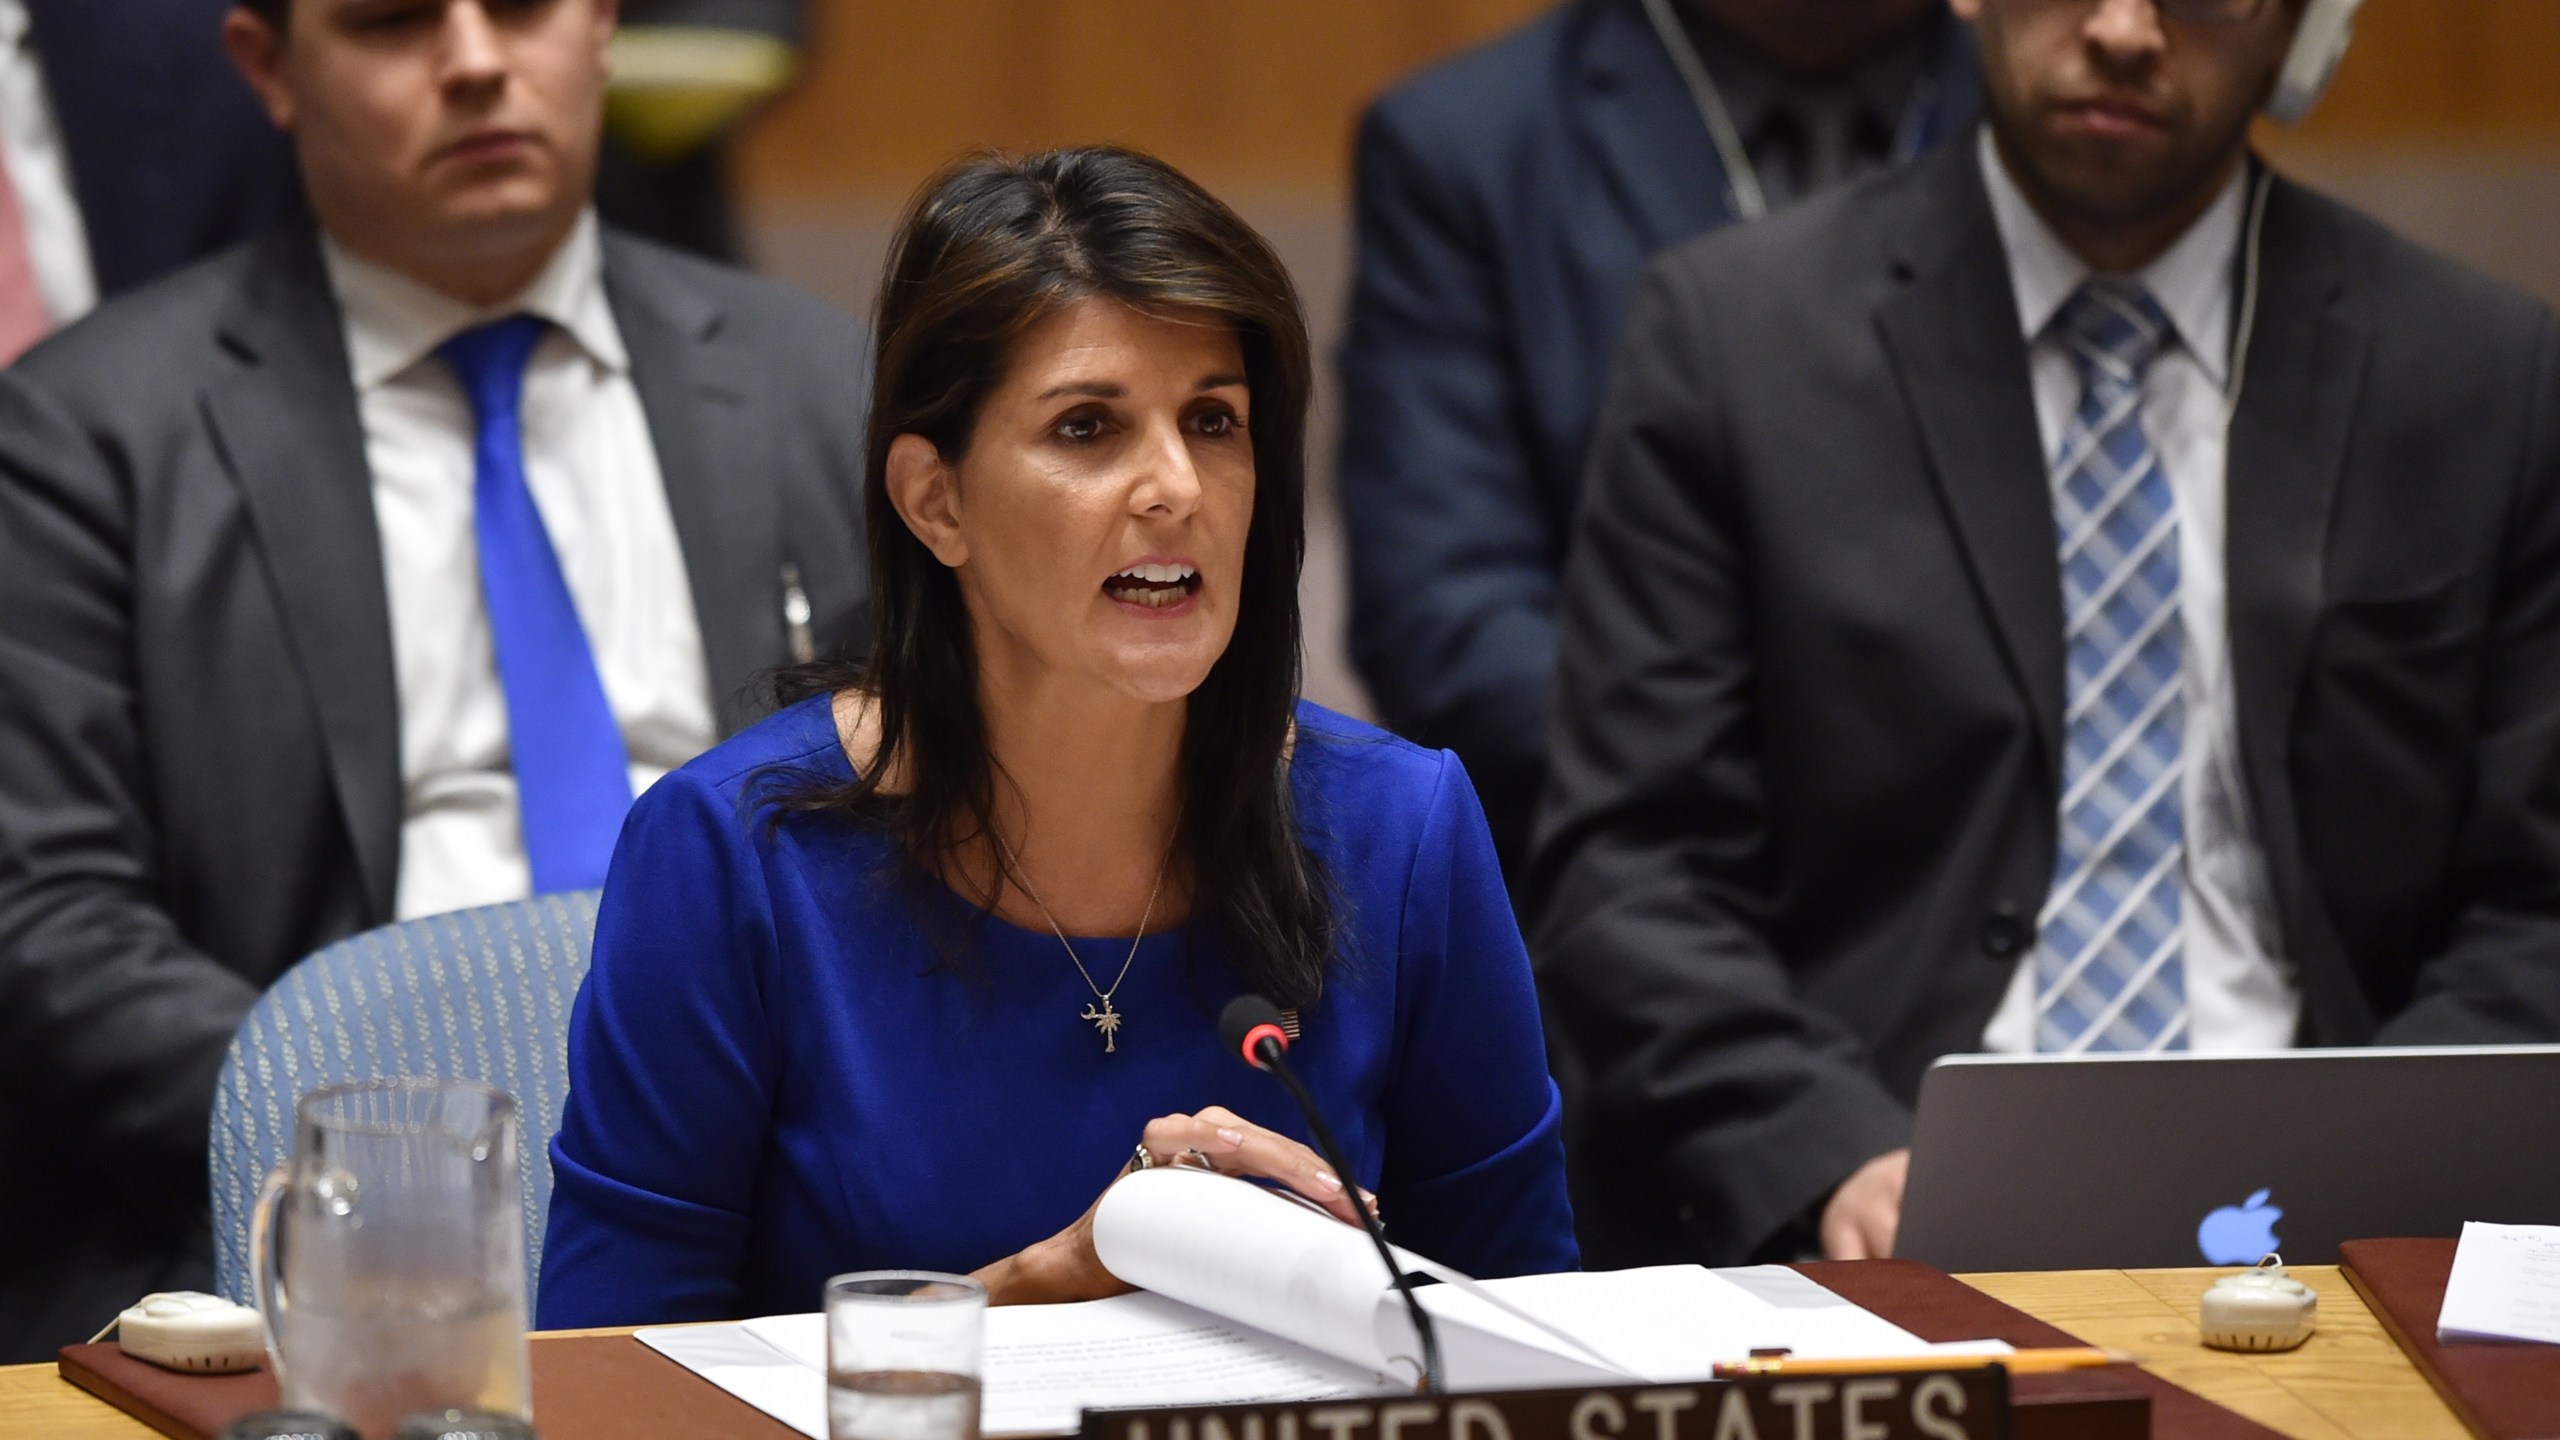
x,y
991,246
274,12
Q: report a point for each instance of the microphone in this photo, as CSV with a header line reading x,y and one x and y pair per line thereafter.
x,y
1251,1027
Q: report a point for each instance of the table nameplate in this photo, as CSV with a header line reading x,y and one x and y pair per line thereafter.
x,y
1931,1405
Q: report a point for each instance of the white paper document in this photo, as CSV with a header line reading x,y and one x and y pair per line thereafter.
x,y
1047,1364
753,1371
2505,1286
1247,1296
1669,1323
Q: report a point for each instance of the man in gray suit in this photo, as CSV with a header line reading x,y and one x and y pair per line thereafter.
x,y
360,572
2083,593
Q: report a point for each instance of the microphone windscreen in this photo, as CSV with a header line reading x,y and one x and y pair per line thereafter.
x,y
1244,1015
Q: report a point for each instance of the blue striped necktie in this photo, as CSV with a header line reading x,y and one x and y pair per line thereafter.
x,y
2110,967
573,776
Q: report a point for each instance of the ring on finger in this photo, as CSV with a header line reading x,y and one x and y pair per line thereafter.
x,y
1195,1160
1142,1159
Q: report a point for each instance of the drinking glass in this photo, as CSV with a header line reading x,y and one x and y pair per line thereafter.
x,y
903,1348
388,1254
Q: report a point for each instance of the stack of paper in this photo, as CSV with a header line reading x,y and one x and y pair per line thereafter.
x,y
2505,1286
1254,1299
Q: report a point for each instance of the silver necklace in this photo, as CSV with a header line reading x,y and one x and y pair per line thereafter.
x,y
1103,1017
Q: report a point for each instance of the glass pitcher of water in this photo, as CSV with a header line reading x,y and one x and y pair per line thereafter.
x,y
388,1254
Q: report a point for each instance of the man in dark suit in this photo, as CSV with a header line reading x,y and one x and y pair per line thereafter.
x,y
1507,202
2081,594
363,571
166,158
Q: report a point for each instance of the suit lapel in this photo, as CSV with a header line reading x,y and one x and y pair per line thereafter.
x,y
1645,130
1951,328
288,427
718,461
2288,445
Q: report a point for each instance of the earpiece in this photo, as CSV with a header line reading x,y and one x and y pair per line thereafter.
x,y
2319,43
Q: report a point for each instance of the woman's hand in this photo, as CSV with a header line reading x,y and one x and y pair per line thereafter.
x,y
1065,1267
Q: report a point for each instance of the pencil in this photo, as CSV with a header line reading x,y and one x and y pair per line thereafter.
x,y
2018,1362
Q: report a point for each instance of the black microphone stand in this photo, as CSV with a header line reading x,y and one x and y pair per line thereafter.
x,y
1269,1055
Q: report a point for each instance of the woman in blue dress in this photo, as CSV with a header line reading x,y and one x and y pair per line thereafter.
x,y
908,974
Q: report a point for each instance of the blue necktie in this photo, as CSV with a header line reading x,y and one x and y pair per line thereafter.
x,y
2110,972
573,776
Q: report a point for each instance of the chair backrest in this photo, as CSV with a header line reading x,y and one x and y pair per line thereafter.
x,y
476,995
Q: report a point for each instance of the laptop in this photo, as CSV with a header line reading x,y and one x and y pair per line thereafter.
x,y
2050,1163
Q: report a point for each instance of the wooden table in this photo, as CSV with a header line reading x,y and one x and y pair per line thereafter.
x,y
2350,1381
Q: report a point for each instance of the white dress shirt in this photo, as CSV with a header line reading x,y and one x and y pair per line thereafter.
x,y
2240,993
593,471
31,144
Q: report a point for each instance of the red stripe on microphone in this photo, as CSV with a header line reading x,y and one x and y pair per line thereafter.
x,y
1253,1042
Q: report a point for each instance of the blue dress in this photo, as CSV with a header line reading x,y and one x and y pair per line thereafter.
x,y
772,1081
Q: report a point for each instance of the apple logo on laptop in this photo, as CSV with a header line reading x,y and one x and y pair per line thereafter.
x,y
2239,1234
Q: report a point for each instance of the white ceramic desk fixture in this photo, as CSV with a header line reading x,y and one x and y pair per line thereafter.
x,y
191,1331
2262,1308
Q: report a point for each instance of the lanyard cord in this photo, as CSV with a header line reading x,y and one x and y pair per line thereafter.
x,y
1750,201
2249,247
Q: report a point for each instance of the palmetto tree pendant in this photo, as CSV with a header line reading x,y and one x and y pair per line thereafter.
x,y
1106,1020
